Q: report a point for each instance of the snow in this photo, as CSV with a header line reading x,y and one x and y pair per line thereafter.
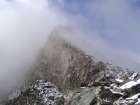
x,y
106,87
117,92
137,103
114,92
115,72
130,84
131,99
119,80
106,100
45,91
133,76
49,92
113,85
134,96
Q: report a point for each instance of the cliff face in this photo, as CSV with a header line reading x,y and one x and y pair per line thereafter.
x,y
67,65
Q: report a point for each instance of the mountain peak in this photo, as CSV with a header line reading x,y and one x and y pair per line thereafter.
x,y
67,54
73,38
66,61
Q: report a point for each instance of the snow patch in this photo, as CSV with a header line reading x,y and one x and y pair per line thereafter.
x,y
119,80
133,76
134,96
130,84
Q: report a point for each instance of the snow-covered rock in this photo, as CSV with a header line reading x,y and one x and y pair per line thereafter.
x,y
119,80
130,84
133,76
39,92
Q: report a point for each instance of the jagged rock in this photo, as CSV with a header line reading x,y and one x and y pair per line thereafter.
x,y
118,92
38,93
125,102
67,65
81,96
131,88
60,101
90,96
90,84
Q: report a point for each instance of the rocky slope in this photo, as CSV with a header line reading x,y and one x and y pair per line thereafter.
x,y
81,78
37,93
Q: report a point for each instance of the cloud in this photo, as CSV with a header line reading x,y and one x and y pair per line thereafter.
x,y
114,25
25,26
118,24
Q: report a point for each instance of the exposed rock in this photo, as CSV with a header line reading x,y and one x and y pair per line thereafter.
x,y
81,96
90,96
69,67
60,101
38,93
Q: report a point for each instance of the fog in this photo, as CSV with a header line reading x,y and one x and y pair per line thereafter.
x,y
110,26
24,28
26,24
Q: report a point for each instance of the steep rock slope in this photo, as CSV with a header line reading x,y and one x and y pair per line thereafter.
x,y
67,65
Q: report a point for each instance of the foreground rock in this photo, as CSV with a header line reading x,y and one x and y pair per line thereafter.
x,y
90,96
38,93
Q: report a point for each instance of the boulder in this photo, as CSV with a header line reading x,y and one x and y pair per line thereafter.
x,y
90,96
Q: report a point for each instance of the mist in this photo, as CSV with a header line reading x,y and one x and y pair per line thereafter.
x,y
109,26
24,28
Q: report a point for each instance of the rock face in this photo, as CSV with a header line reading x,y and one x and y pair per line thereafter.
x,y
68,66
82,78
90,96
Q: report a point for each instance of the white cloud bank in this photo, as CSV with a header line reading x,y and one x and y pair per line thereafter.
x,y
24,27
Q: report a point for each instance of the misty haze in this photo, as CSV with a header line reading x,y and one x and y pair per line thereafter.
x,y
66,52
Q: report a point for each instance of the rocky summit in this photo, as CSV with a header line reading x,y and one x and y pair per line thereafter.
x,y
79,77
